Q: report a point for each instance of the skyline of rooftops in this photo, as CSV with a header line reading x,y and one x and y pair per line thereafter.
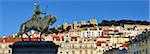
x,y
70,11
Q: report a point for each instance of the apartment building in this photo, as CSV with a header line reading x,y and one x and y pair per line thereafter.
x,y
140,45
89,40
75,45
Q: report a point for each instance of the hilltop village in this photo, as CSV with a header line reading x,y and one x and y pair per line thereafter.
x,y
91,37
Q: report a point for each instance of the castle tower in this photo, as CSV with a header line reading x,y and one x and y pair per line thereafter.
x,y
93,21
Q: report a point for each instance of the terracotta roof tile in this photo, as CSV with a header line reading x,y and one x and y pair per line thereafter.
x,y
1,39
36,32
99,42
107,30
32,39
11,39
78,31
103,37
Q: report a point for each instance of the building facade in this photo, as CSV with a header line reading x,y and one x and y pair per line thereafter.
x,y
140,45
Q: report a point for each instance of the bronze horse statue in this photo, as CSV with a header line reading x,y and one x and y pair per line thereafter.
x,y
36,23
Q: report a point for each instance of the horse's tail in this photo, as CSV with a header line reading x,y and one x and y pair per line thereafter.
x,y
21,27
52,20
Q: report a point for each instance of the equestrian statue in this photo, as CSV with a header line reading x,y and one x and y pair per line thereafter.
x,y
37,23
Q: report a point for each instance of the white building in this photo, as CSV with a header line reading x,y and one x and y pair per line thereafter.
x,y
85,33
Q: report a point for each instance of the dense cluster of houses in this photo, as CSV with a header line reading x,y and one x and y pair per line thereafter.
x,y
88,40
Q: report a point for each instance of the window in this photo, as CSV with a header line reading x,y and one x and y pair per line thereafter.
x,y
89,32
91,46
80,45
140,52
91,52
99,44
67,41
102,33
86,52
75,39
72,45
78,34
137,52
9,51
92,33
67,53
85,46
80,51
100,28
73,52
60,52
99,33
146,41
71,40
134,53
62,39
